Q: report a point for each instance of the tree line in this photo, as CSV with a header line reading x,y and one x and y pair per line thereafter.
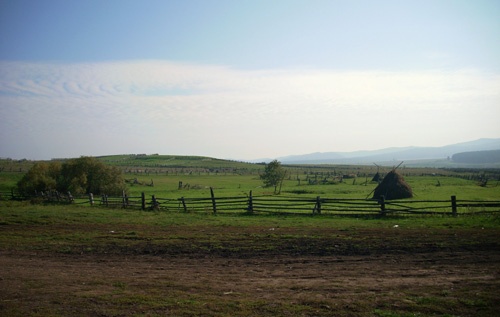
x,y
79,176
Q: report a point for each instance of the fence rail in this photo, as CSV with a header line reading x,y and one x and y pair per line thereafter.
x,y
271,204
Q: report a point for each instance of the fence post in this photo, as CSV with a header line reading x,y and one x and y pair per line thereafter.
x,y
213,200
454,206
317,207
382,204
250,202
156,205
184,204
91,199
143,201
124,199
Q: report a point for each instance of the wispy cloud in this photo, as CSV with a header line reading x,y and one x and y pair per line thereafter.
x,y
215,110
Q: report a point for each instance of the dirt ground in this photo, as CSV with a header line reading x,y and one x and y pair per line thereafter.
x,y
444,281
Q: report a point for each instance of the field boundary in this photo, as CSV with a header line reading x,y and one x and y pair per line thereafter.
x,y
277,204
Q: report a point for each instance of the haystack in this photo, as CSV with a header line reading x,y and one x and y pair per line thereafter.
x,y
393,186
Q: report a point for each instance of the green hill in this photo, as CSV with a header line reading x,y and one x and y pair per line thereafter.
x,y
156,161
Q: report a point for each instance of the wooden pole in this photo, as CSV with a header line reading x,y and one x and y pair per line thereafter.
x,y
91,199
143,201
317,207
124,199
382,204
250,202
214,206
155,203
454,206
184,204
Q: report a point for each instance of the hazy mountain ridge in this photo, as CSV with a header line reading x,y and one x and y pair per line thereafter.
x,y
477,157
391,155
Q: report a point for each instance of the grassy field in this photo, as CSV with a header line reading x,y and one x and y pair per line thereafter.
x,y
71,260
424,187
232,178
167,186
60,260
199,185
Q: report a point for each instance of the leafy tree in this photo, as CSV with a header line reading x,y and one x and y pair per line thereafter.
x,y
78,176
273,175
41,177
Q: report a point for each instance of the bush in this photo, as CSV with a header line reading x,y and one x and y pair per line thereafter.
x,y
79,176
89,175
41,177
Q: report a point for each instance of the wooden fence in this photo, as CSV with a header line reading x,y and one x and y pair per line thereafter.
x,y
272,204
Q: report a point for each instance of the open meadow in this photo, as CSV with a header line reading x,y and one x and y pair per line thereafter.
x,y
74,259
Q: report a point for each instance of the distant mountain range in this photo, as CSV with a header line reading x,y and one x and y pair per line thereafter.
x,y
477,157
412,156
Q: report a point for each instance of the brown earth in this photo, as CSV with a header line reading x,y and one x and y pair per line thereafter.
x,y
245,272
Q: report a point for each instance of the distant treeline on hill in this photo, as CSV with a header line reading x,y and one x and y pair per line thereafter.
x,y
477,157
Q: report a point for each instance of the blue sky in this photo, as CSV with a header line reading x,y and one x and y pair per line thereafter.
x,y
245,79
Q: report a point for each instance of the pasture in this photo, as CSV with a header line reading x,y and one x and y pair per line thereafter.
x,y
60,260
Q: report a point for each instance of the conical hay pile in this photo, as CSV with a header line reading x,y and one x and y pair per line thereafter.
x,y
376,178
393,186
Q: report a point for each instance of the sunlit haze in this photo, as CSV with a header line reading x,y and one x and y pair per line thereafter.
x,y
245,79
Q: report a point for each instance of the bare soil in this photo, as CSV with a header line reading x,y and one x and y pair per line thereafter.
x,y
249,272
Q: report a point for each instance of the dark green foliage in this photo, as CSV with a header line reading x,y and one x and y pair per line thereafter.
x,y
41,177
78,176
273,175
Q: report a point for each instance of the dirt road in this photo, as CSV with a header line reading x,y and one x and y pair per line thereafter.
x,y
449,281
